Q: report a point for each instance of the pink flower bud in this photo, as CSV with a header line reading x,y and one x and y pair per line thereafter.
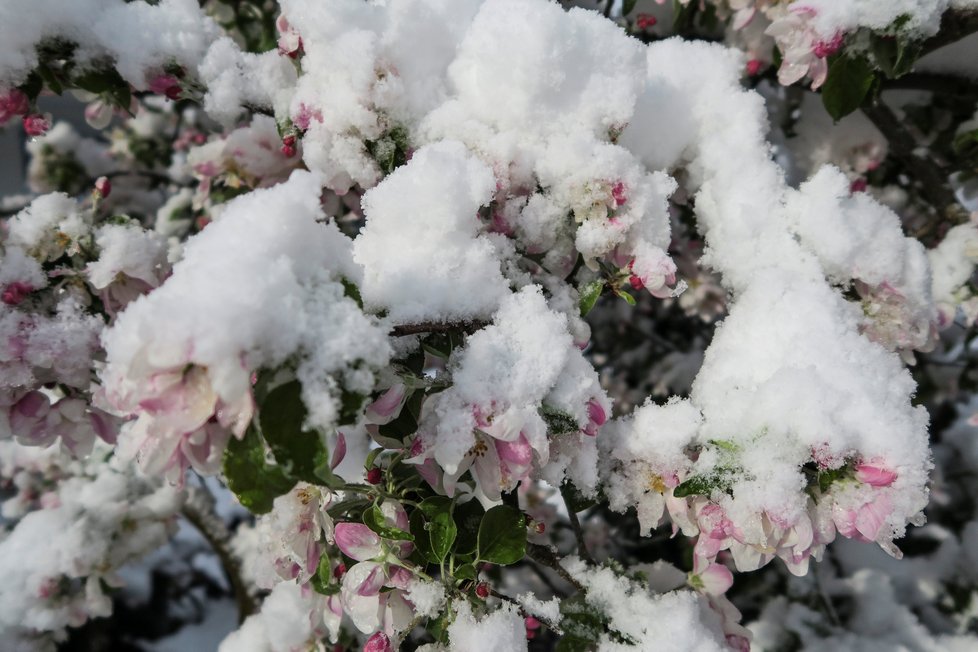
x,y
824,49
532,625
103,187
36,125
754,67
15,292
13,102
482,590
618,193
357,541
340,570
644,21
375,475
859,185
378,643
875,475
596,413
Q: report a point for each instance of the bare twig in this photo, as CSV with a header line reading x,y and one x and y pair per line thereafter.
x,y
582,550
955,25
215,532
931,177
546,557
434,327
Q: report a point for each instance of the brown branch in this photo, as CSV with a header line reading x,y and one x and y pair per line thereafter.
x,y
435,327
929,175
582,550
943,84
216,534
955,25
544,556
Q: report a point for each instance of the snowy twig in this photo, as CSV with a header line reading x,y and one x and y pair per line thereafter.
x,y
215,532
925,170
582,550
434,327
545,556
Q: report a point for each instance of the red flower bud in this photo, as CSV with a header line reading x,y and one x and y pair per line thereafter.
x,y
375,475
482,590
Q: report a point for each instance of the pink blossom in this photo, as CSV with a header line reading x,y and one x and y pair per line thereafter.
x,y
804,50
289,41
596,417
357,541
875,475
710,577
36,125
305,115
103,186
165,84
386,408
618,193
754,67
15,292
654,270
13,103
379,642
98,114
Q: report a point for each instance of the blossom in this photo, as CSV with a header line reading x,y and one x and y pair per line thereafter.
x,y
804,50
181,421
13,103
379,566
36,125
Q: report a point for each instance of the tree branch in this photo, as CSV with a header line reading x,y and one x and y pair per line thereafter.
x,y
955,25
934,83
215,532
546,557
582,550
930,176
435,327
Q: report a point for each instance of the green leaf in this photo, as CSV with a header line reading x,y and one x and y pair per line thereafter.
x,y
468,518
466,572
350,405
627,6
589,296
582,624
352,291
406,422
502,536
322,581
374,519
629,299
301,453
440,525
106,82
558,422
575,499
848,84
253,481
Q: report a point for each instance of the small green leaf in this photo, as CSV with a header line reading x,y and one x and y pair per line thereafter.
x,y
589,296
440,526
253,481
374,519
558,422
848,84
575,499
352,291
627,6
322,581
502,536
301,453
466,572
629,299
467,517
